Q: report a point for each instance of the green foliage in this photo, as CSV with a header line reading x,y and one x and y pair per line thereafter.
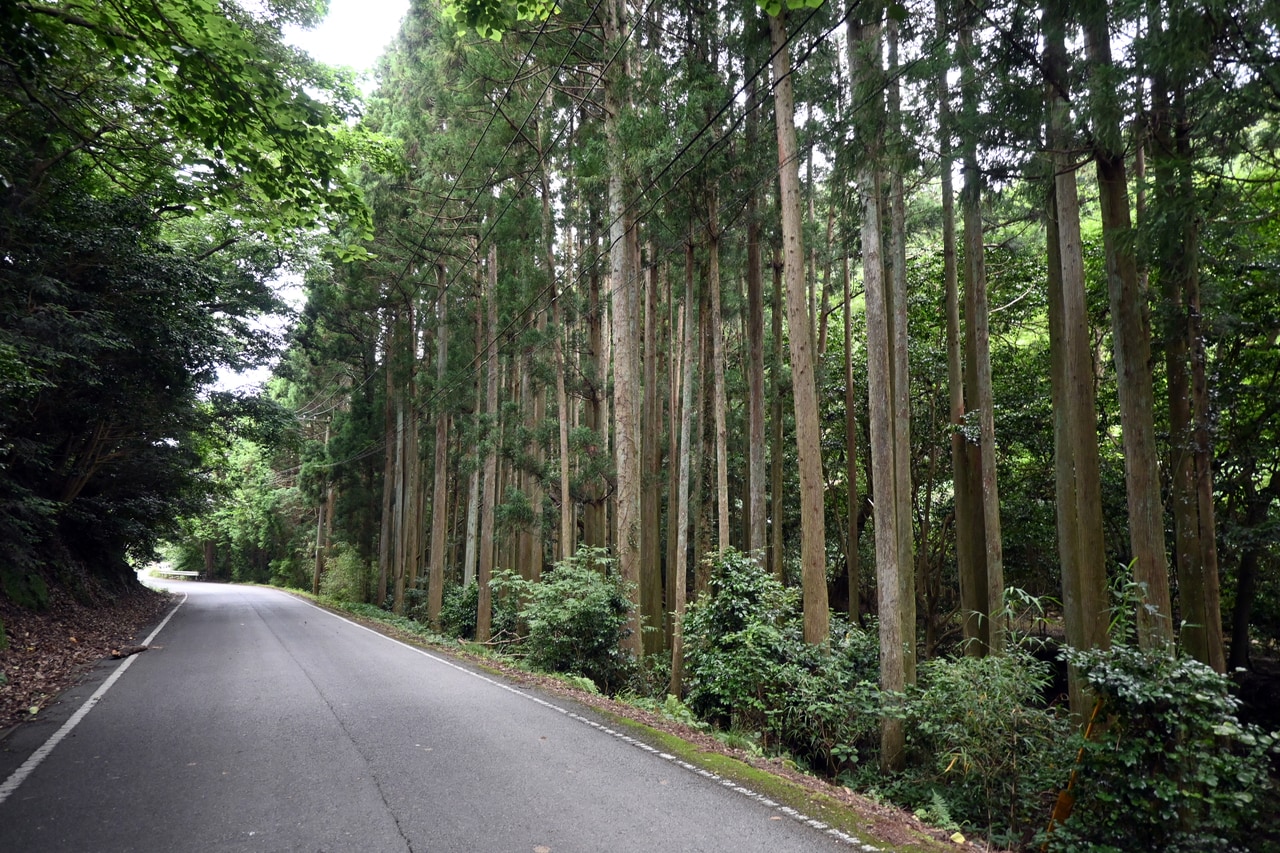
x,y
980,741
748,668
775,7
458,610
25,589
377,614
577,618
491,18
347,577
1172,768
736,637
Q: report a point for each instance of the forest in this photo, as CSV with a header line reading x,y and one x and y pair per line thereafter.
x,y
890,385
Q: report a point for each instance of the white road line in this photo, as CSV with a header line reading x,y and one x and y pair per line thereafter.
x,y
33,761
795,815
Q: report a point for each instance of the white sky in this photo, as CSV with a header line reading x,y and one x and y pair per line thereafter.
x,y
354,33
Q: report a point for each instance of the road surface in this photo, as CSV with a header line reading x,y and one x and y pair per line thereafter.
x,y
258,722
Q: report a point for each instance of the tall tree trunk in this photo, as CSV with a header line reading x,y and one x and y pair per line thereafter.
x,y
852,557
595,370
1077,472
756,510
990,584
536,549
804,390
970,547
1191,464
1131,337
675,390
318,566
719,405
651,593
880,412
389,468
626,332
680,499
891,562
777,563
440,486
489,499
899,369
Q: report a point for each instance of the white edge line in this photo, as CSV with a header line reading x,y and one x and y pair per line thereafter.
x,y
33,761
795,815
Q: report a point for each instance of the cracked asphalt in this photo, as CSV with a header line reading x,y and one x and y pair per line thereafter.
x,y
258,722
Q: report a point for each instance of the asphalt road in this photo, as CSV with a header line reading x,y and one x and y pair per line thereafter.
x,y
259,722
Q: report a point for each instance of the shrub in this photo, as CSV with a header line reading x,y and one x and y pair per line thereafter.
x,y
577,618
749,668
346,576
737,637
1173,769
827,703
981,742
458,609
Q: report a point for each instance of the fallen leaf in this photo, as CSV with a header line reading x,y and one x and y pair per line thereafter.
x,y
541,849
958,838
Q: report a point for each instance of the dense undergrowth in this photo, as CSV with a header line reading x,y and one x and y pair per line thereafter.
x,y
1169,766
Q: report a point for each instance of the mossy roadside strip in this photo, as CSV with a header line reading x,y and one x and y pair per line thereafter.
x,y
883,827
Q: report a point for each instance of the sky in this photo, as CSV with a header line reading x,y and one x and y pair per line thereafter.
x,y
354,33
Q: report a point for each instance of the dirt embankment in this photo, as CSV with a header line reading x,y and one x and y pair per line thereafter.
x,y
46,651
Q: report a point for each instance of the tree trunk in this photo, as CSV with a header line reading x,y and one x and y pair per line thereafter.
x,y
651,593
680,500
989,584
719,405
388,471
1191,480
804,390
440,487
594,369
777,556
970,548
900,371
852,557
1131,337
488,502
626,334
756,510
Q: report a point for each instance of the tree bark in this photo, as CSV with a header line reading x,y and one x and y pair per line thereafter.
x,y
651,592
900,374
1077,472
757,513
988,585
1191,464
1131,338
625,336
970,548
488,501
440,486
680,500
852,557
804,390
